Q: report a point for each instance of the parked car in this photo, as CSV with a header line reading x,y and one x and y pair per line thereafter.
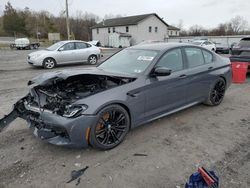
x,y
242,48
24,44
206,44
222,48
98,106
65,52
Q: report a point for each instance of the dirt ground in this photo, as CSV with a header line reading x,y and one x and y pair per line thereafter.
x,y
217,138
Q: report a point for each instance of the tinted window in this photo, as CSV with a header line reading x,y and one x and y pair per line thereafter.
x,y
244,43
207,43
194,57
208,57
68,46
80,45
172,60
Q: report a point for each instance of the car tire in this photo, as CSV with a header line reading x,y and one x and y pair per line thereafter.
x,y
49,63
92,59
35,46
111,128
216,93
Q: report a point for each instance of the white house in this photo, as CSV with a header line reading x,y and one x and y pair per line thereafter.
x,y
126,31
173,31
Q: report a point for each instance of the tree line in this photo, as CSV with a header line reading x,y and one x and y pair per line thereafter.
x,y
238,25
20,23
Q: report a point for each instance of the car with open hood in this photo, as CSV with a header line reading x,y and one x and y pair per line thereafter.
x,y
98,106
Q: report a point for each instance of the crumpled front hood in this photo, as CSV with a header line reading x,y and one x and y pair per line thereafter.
x,y
46,78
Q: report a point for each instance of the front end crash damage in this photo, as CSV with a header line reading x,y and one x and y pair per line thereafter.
x,y
50,108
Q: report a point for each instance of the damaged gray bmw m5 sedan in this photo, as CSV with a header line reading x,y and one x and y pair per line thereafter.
x,y
98,106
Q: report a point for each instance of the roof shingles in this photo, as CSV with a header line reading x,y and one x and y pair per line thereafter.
x,y
124,21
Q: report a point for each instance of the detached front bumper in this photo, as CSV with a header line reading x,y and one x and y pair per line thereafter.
x,y
55,129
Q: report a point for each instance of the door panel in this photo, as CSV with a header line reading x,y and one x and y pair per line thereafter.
x,y
165,93
67,53
82,53
200,65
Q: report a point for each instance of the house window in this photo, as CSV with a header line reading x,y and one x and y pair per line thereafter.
x,y
156,29
127,29
176,32
109,30
113,29
149,29
171,32
97,30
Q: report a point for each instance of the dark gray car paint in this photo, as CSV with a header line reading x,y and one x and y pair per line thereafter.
x,y
146,98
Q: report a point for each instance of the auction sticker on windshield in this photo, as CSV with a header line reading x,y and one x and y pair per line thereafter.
x,y
145,58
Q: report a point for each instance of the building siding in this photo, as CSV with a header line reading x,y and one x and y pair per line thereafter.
x,y
139,32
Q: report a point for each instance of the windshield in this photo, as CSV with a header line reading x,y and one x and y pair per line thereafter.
x,y
244,43
129,61
196,43
55,46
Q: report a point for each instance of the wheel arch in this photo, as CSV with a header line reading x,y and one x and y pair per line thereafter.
x,y
221,76
120,104
50,58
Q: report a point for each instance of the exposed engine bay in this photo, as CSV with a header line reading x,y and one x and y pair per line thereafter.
x,y
58,94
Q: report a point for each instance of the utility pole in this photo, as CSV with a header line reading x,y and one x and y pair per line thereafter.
x,y
67,19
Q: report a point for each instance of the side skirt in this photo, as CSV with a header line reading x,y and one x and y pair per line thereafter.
x,y
168,113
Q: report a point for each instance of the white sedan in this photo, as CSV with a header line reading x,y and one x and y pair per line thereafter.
x,y
206,44
65,52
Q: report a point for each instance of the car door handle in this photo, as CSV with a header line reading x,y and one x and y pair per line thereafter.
x,y
210,68
183,76
133,94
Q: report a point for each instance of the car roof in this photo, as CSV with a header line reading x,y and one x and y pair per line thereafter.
x,y
199,40
245,38
159,46
66,41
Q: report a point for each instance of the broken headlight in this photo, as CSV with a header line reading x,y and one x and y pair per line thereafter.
x,y
74,110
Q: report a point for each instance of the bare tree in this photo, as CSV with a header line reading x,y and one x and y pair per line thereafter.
x,y
237,24
196,30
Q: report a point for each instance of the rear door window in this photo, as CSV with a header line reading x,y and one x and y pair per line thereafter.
x,y
172,60
208,57
81,45
194,57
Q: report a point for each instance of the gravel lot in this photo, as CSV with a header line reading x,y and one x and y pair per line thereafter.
x,y
214,137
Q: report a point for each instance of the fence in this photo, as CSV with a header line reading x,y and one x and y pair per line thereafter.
x,y
228,40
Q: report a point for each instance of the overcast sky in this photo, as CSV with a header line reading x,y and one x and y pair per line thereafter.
x,y
208,13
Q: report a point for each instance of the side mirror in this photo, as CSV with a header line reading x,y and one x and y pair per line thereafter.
x,y
60,49
161,71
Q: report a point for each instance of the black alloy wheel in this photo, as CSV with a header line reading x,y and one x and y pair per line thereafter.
x,y
217,93
111,128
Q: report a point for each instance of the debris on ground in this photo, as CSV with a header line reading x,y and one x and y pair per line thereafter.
x,y
21,140
17,161
78,181
78,156
78,164
77,173
140,154
203,179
